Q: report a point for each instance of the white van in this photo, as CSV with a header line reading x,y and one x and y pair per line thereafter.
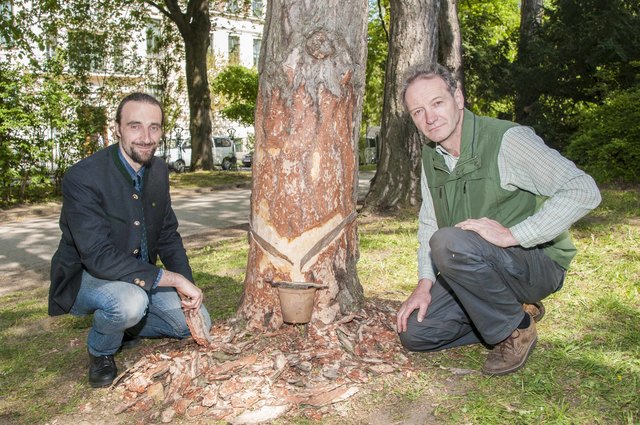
x,y
178,156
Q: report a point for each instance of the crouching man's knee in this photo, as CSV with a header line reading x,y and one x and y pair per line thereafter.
x,y
419,336
451,245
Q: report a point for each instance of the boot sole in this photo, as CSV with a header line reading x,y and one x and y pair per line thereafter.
x,y
102,383
514,368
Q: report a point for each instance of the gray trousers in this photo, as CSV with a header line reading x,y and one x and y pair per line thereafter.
x,y
479,291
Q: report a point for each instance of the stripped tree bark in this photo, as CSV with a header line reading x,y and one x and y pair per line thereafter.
x,y
305,172
413,40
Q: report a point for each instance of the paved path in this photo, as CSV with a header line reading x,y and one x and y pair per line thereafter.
x,y
27,243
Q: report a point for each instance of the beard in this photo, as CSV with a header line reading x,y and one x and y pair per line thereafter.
x,y
142,158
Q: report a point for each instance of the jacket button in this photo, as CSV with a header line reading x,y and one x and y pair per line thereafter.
x,y
136,223
135,196
136,251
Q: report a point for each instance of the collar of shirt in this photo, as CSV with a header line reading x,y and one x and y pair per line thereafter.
x,y
135,177
449,159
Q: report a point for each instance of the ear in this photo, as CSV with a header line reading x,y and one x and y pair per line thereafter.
x,y
118,135
459,98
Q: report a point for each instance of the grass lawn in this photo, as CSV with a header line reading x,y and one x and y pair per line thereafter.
x,y
585,369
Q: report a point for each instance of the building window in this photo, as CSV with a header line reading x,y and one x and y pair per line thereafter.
x,y
87,51
154,37
51,43
257,44
257,8
233,6
234,50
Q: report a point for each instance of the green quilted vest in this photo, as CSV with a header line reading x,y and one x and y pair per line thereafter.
x,y
472,189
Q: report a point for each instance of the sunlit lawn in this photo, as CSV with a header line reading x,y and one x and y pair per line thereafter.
x,y
585,369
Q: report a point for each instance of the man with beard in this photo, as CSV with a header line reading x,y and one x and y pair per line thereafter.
x,y
116,221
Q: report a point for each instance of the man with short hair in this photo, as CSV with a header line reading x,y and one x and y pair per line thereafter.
x,y
116,221
493,226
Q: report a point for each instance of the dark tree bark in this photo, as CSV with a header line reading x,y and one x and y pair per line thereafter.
x,y
194,26
451,39
413,40
305,172
530,20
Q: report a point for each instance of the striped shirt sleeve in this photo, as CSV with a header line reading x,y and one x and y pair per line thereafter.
x,y
526,163
427,226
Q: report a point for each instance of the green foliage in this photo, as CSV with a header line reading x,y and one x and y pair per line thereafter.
x,y
489,29
239,86
584,51
607,143
163,69
584,369
23,145
69,64
377,48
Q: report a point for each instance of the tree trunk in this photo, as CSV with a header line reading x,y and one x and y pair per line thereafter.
x,y
194,27
305,172
451,39
530,20
413,40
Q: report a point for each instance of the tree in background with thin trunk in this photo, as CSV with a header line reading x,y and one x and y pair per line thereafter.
x,y
413,40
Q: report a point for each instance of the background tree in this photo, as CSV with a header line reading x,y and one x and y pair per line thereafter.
x,y
413,40
53,49
165,53
377,50
303,219
585,50
451,39
194,25
530,23
489,35
607,142
239,87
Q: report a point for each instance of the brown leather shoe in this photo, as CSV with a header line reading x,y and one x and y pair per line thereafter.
x,y
535,310
512,353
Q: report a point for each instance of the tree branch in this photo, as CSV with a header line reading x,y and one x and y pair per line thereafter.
x,y
158,7
384,28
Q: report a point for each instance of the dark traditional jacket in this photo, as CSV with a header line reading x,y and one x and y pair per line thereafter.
x,y
102,223
472,189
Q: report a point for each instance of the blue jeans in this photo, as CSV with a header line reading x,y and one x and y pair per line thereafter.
x,y
120,306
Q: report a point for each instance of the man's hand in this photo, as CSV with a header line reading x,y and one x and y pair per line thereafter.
x,y
420,298
190,294
490,230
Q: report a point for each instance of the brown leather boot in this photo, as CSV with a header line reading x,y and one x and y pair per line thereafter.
x,y
512,353
535,310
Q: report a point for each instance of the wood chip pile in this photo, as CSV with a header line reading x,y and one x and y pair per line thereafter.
x,y
243,378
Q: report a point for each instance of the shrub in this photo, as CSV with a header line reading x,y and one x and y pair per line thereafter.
x,y
607,143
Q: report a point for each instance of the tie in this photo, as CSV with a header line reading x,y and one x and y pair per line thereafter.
x,y
144,250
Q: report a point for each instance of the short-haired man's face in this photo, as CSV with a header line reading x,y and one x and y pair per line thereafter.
x,y
434,110
140,131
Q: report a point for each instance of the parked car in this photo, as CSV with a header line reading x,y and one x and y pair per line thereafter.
x,y
247,159
178,155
